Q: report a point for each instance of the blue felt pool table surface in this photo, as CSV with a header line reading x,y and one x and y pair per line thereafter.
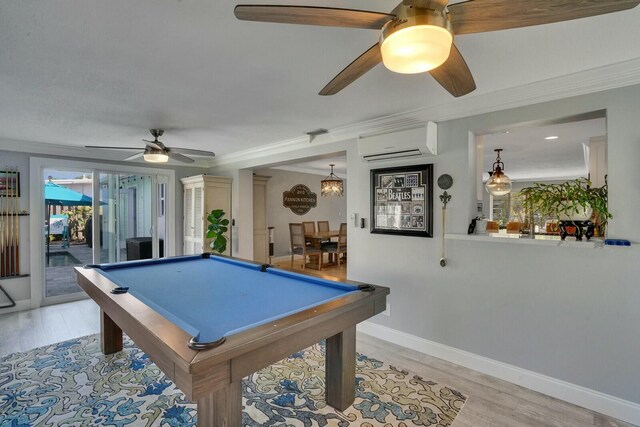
x,y
214,297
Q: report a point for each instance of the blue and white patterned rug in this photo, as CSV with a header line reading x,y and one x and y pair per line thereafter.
x,y
73,384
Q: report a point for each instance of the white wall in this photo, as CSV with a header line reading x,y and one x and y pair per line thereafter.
x,y
569,314
332,209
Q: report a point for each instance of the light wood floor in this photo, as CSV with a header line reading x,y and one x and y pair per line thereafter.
x,y
491,402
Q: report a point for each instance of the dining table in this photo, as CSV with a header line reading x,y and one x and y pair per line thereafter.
x,y
316,240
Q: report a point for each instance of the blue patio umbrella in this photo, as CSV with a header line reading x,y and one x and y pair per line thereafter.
x,y
58,195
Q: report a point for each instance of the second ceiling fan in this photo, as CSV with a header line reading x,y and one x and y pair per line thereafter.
x,y
156,152
417,36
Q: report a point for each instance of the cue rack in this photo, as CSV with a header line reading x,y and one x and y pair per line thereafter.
x,y
9,223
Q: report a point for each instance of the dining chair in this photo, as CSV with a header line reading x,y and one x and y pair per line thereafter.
x,y
299,246
340,247
309,228
324,226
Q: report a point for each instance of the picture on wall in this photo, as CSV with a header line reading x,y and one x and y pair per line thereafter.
x,y
402,200
9,183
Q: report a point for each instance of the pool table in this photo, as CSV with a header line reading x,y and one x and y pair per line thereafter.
x,y
207,321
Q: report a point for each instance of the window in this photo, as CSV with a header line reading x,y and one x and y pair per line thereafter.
x,y
554,151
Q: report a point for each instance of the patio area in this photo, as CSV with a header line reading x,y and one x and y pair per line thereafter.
x,y
60,278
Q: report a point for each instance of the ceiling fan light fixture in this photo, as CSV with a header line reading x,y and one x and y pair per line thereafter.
x,y
153,156
417,43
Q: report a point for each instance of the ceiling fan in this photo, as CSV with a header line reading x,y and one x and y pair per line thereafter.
x,y
156,152
417,36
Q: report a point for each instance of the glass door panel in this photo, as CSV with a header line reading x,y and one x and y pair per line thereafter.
x,y
128,213
66,229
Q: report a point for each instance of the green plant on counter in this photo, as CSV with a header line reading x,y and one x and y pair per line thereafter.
x,y
218,225
568,198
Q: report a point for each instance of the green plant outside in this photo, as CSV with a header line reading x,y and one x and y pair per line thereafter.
x,y
568,198
218,225
78,216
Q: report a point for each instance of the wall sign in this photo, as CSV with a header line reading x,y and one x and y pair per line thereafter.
x,y
299,199
402,200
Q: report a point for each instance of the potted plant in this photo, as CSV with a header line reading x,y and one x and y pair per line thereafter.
x,y
218,225
572,201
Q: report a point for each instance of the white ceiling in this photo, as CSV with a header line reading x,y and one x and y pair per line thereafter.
x,y
78,72
319,165
528,156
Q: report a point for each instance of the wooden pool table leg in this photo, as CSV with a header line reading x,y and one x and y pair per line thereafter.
x,y
110,334
222,408
341,369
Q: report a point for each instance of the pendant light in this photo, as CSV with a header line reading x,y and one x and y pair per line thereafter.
x,y
498,183
331,185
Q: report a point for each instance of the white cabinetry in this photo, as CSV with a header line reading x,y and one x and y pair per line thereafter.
x,y
202,194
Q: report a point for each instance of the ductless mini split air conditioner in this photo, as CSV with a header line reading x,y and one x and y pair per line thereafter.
x,y
417,141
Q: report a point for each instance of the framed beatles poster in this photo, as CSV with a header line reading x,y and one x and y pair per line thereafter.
x,y
402,200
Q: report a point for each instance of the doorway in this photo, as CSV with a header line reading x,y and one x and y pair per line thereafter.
x,y
89,213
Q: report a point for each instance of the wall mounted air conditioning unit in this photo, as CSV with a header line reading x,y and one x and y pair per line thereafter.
x,y
419,141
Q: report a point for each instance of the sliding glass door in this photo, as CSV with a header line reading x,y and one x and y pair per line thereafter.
x,y
90,214
132,221
67,211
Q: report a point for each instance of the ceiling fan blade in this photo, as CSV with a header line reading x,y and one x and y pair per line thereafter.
x,y
193,152
311,15
454,75
427,4
154,144
353,71
179,157
135,156
105,147
478,16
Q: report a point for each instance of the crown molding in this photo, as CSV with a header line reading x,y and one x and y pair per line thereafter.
x,y
598,79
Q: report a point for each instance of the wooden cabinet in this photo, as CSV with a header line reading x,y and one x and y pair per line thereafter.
x,y
202,194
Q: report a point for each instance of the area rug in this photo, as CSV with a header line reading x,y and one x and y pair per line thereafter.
x,y
73,384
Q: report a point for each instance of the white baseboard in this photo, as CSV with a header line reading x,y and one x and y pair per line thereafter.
x,y
596,401
21,305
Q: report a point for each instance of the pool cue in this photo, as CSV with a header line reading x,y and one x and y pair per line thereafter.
x,y
3,232
11,221
5,247
16,225
5,226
